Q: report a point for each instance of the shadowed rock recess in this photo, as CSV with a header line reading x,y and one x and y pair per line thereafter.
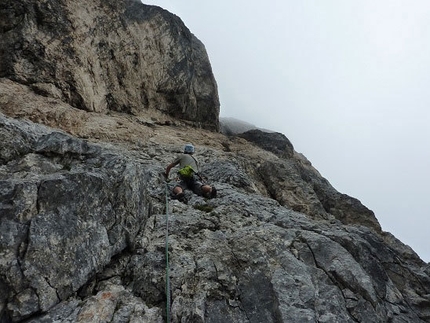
x,y
96,98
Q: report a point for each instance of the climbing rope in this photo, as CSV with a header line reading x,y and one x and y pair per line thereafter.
x,y
167,258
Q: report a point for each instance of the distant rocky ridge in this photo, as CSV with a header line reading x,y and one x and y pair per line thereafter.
x,y
232,126
83,205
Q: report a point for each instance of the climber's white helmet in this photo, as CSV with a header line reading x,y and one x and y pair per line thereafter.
x,y
188,149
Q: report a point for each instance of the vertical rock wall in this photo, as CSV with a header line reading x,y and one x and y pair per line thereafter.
x,y
101,55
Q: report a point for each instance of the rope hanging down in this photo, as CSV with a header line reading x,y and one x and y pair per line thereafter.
x,y
167,258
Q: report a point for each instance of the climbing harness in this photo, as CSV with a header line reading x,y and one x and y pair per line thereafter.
x,y
167,258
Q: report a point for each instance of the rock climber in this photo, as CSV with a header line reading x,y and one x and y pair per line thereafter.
x,y
189,177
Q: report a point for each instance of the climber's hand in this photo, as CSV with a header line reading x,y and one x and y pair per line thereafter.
x,y
166,177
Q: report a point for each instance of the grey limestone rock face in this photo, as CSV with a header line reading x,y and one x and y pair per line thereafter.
x,y
83,238
102,55
52,241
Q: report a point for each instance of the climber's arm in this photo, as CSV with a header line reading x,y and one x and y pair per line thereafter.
x,y
170,167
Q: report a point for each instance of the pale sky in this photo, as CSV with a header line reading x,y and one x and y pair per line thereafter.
x,y
348,82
